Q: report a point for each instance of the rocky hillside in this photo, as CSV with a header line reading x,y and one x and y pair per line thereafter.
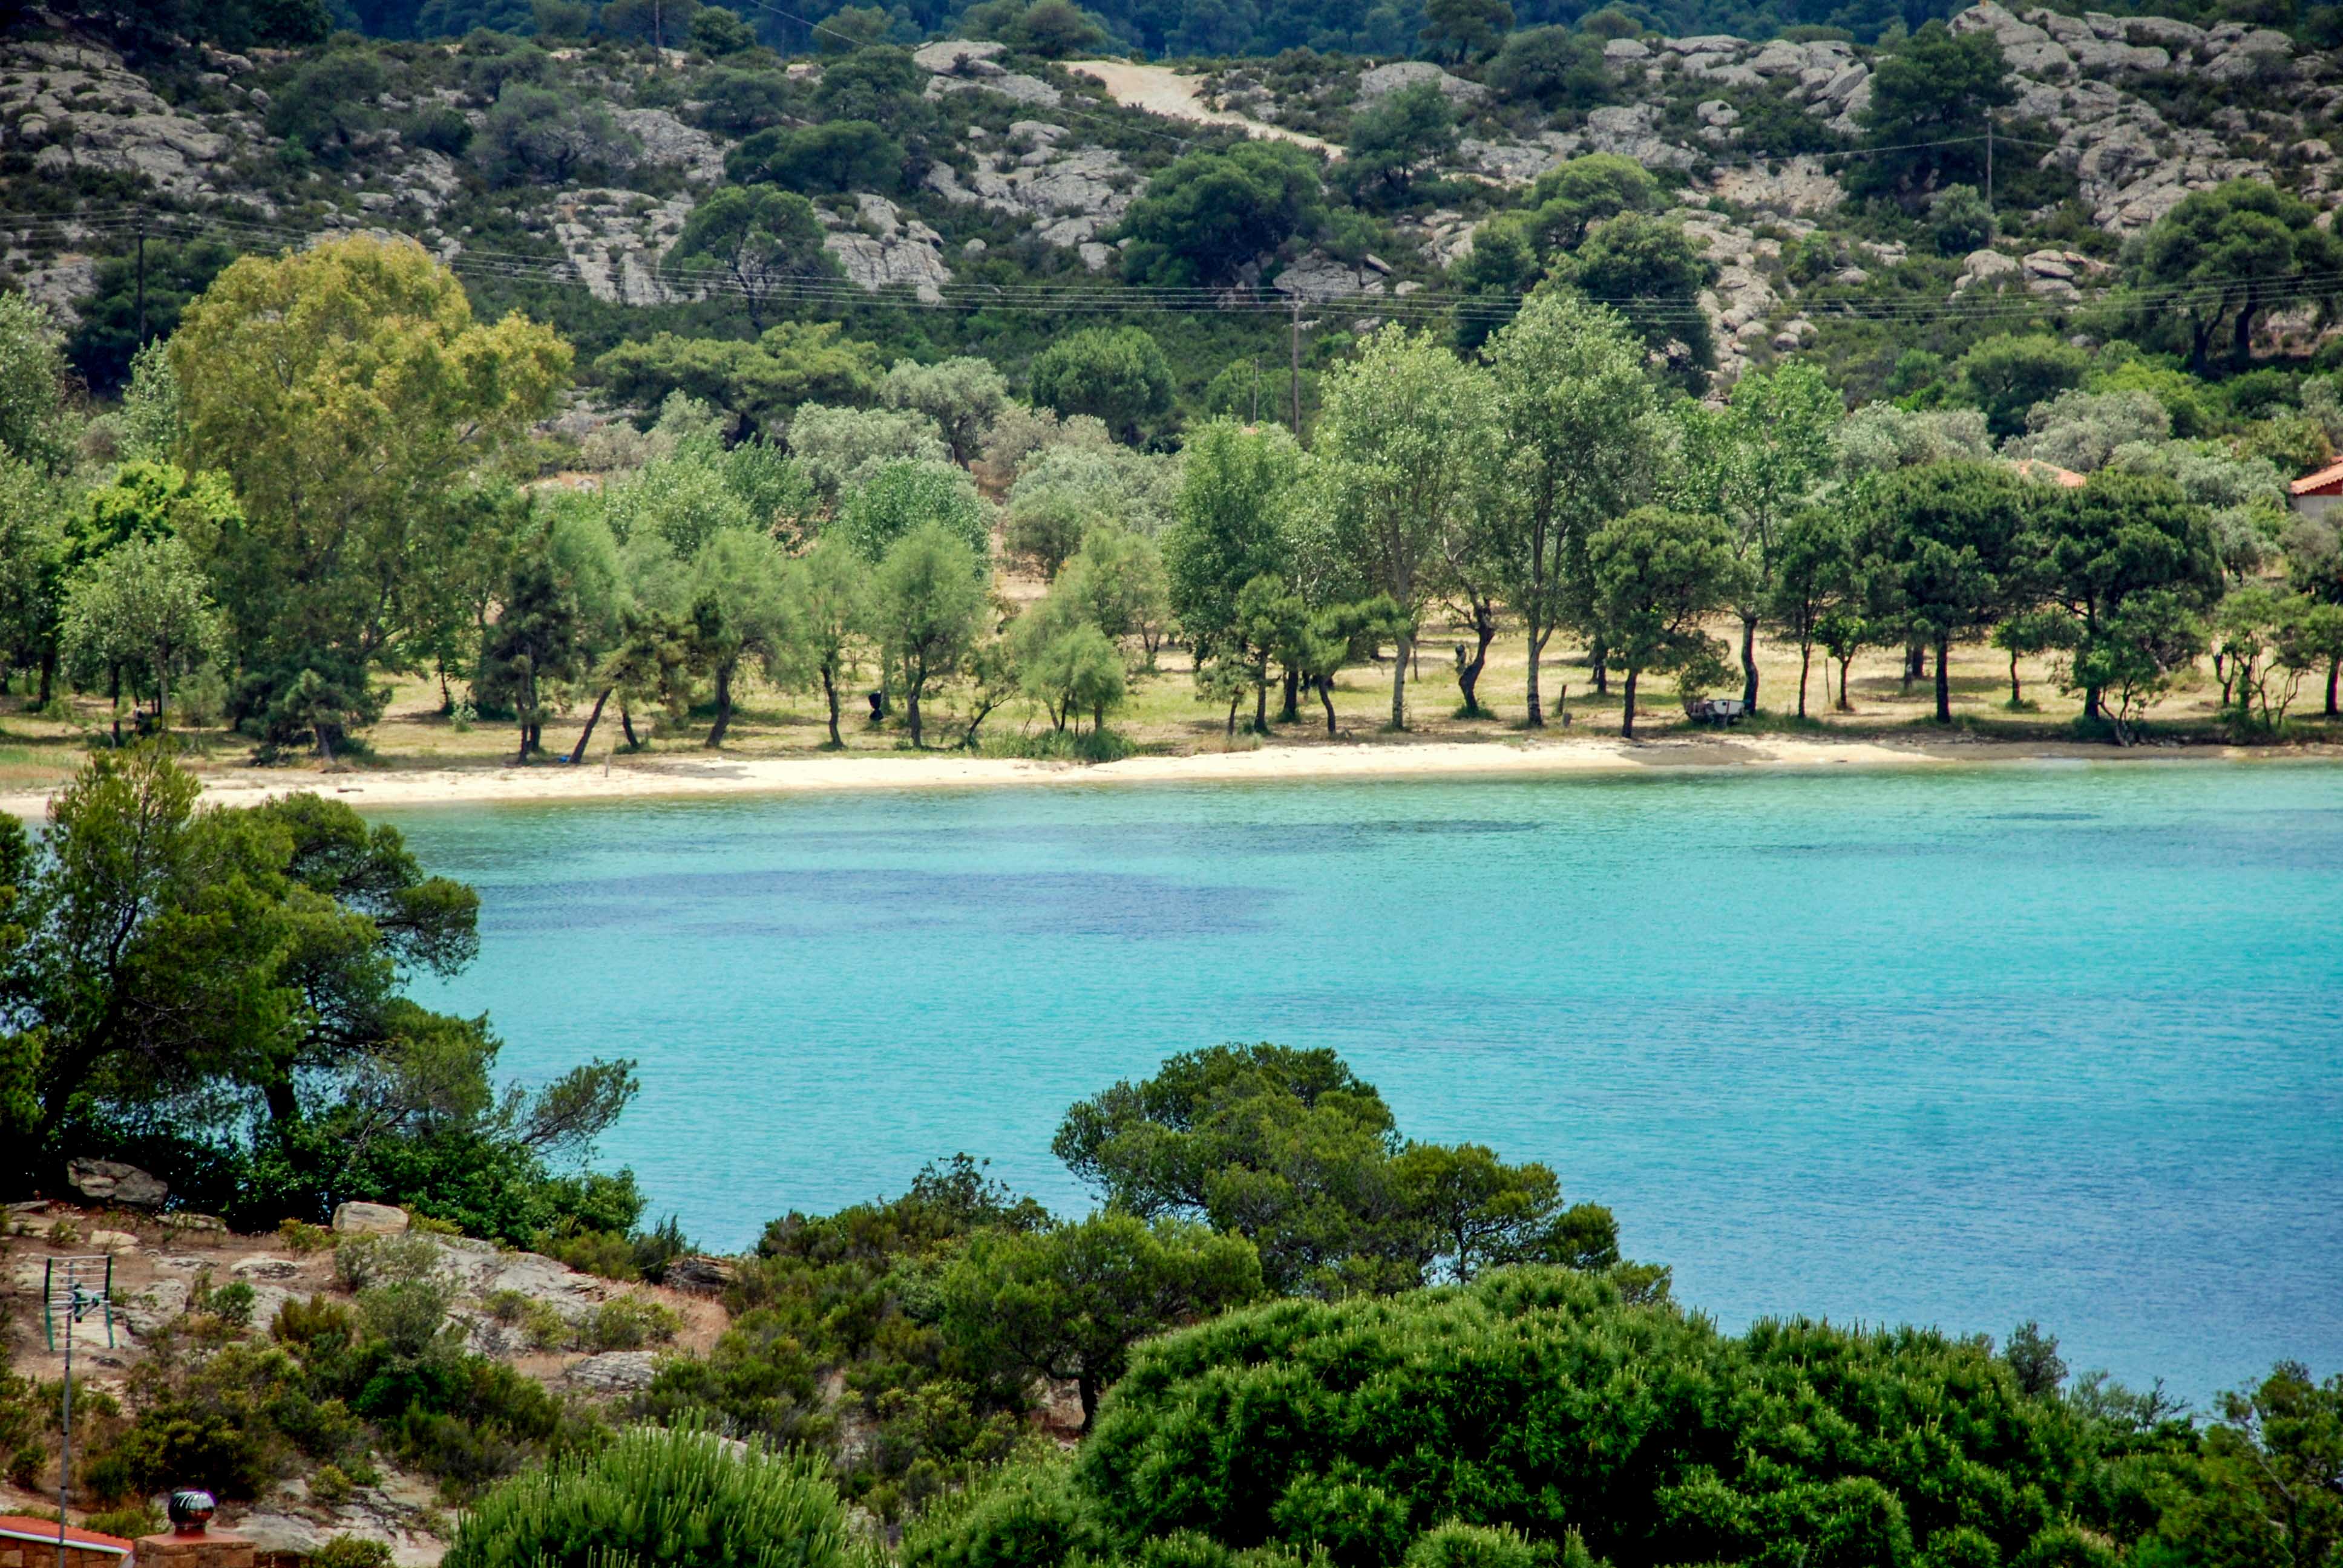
x,y
561,178
182,1280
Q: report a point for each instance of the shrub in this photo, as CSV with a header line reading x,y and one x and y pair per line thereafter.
x,y
628,1323
363,1260
603,1253
351,1551
331,1485
301,1237
231,1303
300,1324
677,1496
131,1522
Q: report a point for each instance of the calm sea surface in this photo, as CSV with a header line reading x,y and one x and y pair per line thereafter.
x,y
1961,1047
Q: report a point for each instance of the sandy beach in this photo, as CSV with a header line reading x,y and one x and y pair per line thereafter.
x,y
668,775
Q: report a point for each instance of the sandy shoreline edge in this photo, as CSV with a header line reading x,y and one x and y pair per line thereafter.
x,y
688,778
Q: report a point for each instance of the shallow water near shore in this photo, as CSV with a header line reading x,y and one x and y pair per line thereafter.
x,y
1960,1046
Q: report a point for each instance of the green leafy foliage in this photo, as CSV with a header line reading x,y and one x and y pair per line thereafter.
x,y
680,1495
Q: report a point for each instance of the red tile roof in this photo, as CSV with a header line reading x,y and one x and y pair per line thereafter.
x,y
2311,483
21,1527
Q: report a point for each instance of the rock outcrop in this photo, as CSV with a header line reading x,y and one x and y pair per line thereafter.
x,y
112,1181
886,250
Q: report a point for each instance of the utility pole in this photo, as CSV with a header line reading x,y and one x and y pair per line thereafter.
x,y
78,1302
1294,364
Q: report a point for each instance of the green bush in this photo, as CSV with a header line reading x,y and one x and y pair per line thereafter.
x,y
1553,1404
351,1551
131,1522
628,1323
681,1497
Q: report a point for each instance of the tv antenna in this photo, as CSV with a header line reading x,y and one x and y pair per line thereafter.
x,y
72,1289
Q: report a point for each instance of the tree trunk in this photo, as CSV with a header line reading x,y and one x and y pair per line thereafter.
x,y
577,752
1468,677
830,695
2015,696
1627,711
1749,659
1915,662
724,706
1943,687
1325,684
1535,718
627,725
1598,660
1406,650
114,695
1261,699
1806,666
1234,700
49,673
1844,706
2334,669
911,690
1291,712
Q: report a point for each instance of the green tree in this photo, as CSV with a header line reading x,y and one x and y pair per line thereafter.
x,y
1582,439
963,395
1392,141
1931,99
2006,376
1068,1302
350,397
927,600
32,371
678,1495
903,497
1459,30
1649,271
1818,584
1485,1214
533,653
1068,667
2101,547
1118,375
34,554
1947,545
1118,584
1553,68
1656,575
209,960
1762,457
1210,213
143,602
826,611
834,156
1397,466
533,135
762,241
1230,525
739,612
1286,1148
2224,256
763,382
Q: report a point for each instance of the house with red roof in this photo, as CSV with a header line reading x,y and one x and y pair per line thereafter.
x,y
29,1542
2315,495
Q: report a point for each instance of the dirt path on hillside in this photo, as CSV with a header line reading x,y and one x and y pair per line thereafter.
x,y
1161,90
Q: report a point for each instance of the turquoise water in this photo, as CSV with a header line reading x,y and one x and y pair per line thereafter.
x,y
1960,1048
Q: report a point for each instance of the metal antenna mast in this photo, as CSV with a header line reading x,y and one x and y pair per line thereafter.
x,y
72,1289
